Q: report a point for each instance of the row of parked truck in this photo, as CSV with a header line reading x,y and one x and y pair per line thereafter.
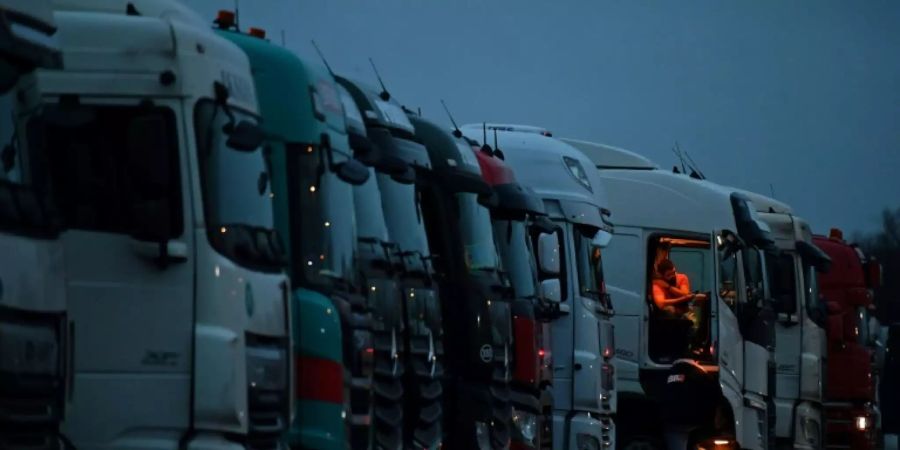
x,y
207,242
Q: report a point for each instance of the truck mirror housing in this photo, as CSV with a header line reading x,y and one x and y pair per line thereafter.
x,y
548,254
601,238
352,171
814,256
551,290
873,273
245,136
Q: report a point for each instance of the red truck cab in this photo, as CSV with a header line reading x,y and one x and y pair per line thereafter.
x,y
850,410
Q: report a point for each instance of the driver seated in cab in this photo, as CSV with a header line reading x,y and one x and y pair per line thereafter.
x,y
672,294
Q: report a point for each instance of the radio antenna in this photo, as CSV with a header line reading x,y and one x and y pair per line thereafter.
x,y
772,189
677,151
237,14
385,95
321,56
456,132
694,166
485,147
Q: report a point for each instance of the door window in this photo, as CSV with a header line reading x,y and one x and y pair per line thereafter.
x,y
102,162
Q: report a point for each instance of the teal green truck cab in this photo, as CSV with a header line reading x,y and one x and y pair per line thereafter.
x,y
308,150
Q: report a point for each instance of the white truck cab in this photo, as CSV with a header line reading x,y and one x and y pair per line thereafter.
x,y
571,269
177,300
33,335
694,372
801,343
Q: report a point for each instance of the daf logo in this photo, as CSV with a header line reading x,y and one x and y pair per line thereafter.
x,y
486,353
248,299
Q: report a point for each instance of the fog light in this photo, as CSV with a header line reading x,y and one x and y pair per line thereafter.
x,y
587,442
526,424
862,423
482,436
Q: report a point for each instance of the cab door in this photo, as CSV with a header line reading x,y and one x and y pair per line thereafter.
x,y
728,342
115,167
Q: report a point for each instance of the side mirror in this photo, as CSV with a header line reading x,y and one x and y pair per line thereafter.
x,y
601,238
873,274
551,290
813,256
548,253
245,136
351,171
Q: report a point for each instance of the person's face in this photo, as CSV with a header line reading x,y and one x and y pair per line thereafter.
x,y
669,276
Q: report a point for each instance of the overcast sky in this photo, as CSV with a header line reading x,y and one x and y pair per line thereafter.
x,y
804,95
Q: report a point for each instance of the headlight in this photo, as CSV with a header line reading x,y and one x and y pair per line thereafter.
x,y
526,424
862,423
267,367
587,442
28,349
811,430
483,436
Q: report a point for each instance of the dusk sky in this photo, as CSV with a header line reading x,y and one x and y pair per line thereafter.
x,y
804,95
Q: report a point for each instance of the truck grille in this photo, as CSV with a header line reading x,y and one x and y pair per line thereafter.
x,y
267,392
31,404
426,355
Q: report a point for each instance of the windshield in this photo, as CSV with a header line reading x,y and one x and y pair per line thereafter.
x,y
753,275
322,212
237,196
513,246
370,223
815,309
476,233
589,262
783,281
403,216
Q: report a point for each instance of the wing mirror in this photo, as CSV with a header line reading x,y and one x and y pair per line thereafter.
x,y
551,290
351,171
601,238
548,253
245,136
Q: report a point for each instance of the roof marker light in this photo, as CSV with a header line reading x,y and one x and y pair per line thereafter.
x,y
257,32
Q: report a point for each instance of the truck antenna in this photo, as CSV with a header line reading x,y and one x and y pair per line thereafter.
x,y
772,189
321,56
499,154
694,166
456,133
385,95
677,151
485,147
237,14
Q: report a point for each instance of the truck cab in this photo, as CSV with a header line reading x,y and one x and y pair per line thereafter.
x,y
34,385
174,277
694,350
478,324
399,161
793,268
571,272
851,410
313,175
519,220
